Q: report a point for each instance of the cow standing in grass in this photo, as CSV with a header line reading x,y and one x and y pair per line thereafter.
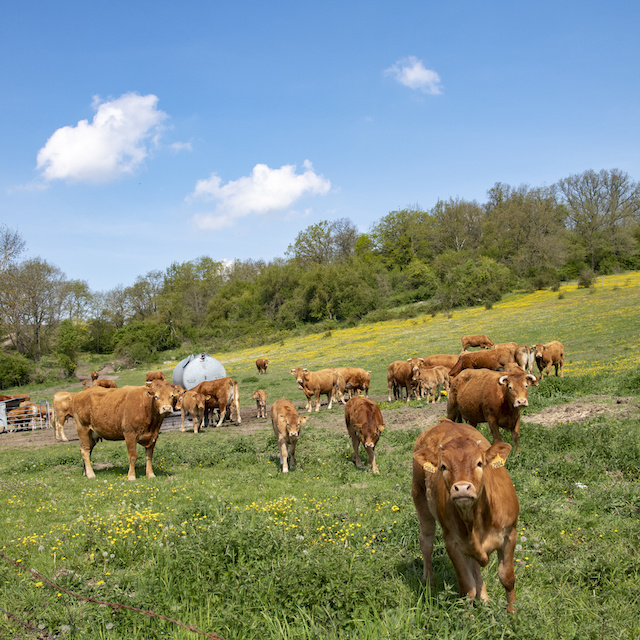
x,y
286,427
364,424
460,481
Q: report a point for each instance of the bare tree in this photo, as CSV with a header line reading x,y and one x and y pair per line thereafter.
x,y
11,246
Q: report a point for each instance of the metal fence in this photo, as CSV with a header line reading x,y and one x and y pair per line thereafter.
x,y
17,414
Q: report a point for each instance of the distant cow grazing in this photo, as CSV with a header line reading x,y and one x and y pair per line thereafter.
x,y
63,408
155,375
548,355
460,481
352,380
440,360
494,359
317,383
286,427
261,364
476,340
480,395
223,393
132,414
260,396
365,424
193,404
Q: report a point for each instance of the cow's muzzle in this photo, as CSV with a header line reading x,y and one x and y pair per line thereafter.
x,y
464,492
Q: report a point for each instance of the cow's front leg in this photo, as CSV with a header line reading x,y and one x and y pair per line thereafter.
x,y
371,452
282,443
148,452
130,439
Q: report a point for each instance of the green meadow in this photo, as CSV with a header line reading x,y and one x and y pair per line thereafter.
x,y
223,542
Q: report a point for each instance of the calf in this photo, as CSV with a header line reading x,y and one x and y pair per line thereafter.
x,y
460,481
317,383
525,357
548,355
260,396
476,340
494,359
431,381
286,426
364,424
193,403
223,393
261,364
481,395
63,409
353,380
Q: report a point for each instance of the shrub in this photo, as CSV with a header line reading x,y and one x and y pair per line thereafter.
x,y
14,370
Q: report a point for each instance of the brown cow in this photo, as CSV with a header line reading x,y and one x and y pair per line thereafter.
x,y
106,384
63,408
494,359
353,380
317,383
224,393
261,364
94,375
511,346
551,353
193,403
155,375
132,414
481,395
286,426
525,357
22,417
365,424
431,381
399,376
440,360
87,383
460,481
476,340
260,396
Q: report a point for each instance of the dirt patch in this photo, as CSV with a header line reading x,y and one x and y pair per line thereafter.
x,y
398,418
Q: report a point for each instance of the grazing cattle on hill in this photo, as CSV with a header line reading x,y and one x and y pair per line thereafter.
x,y
132,414
260,396
365,424
317,383
106,384
286,427
352,380
399,376
476,340
63,408
223,393
430,381
460,481
494,359
155,375
194,404
261,364
481,395
548,355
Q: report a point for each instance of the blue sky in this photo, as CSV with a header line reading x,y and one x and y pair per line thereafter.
x,y
137,134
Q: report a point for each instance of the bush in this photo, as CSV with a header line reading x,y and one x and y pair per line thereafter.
x,y
586,278
14,370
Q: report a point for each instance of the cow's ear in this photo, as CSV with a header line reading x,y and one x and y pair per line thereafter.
x,y
381,427
302,420
427,460
497,454
292,371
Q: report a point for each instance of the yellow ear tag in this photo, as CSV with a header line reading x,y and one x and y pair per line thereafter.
x,y
497,462
429,468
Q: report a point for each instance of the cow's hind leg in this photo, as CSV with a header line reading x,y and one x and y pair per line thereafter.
x,y
148,453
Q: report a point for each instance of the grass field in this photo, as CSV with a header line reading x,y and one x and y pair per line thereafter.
x,y
223,541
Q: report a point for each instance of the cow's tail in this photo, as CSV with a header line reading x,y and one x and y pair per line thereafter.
x,y
233,399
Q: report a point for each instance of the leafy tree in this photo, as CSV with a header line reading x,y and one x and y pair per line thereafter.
x,y
70,337
457,225
76,300
140,341
325,242
142,296
603,209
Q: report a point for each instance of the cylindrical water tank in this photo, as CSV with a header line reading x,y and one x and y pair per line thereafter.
x,y
193,370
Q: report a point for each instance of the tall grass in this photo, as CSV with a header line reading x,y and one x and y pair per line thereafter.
x,y
222,540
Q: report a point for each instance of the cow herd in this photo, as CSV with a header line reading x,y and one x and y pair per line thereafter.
x,y
459,477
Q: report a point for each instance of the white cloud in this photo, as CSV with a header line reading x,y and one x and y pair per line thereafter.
x,y
264,190
115,143
412,73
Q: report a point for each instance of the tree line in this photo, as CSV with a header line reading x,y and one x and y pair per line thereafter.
x,y
458,253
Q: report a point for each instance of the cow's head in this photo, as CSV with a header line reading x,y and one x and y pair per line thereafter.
x,y
368,434
462,464
517,387
165,396
300,374
293,425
